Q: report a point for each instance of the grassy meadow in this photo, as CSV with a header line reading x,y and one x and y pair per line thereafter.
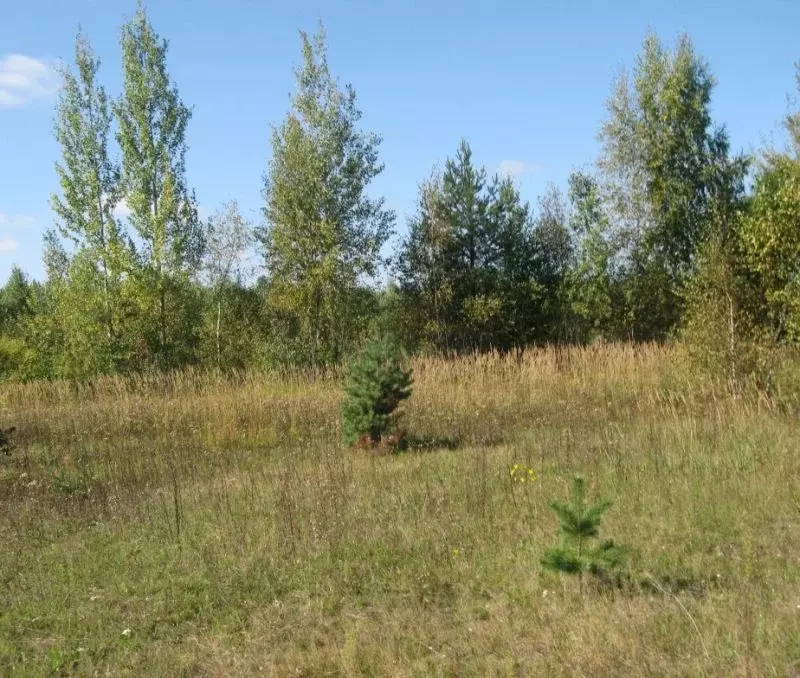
x,y
202,525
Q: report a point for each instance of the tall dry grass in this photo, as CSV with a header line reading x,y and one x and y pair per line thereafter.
x,y
219,520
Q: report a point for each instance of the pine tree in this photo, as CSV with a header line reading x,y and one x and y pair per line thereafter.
x,y
579,524
465,268
16,307
376,385
552,248
15,300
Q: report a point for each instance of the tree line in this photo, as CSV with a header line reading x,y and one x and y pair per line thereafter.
x,y
668,233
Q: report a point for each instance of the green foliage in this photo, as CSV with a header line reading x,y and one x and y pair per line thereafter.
x,y
666,169
79,311
552,260
87,175
233,326
324,233
30,335
163,213
229,239
465,270
90,303
723,325
69,481
15,358
771,235
744,298
15,300
232,311
664,238
591,287
580,525
376,384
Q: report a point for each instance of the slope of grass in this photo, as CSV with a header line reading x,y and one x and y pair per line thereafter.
x,y
200,525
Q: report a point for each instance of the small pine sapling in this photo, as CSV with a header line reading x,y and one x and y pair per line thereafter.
x,y
375,385
579,525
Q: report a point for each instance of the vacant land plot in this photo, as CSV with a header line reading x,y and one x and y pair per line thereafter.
x,y
202,525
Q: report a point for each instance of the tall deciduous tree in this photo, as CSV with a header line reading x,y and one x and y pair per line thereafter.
x,y
233,309
424,271
772,237
323,232
793,120
771,232
511,264
89,182
152,129
666,166
591,287
229,238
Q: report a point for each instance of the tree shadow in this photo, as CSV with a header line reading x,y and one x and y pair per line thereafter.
x,y
417,443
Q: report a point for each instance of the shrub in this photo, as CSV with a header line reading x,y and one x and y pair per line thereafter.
x,y
5,439
16,359
722,332
376,383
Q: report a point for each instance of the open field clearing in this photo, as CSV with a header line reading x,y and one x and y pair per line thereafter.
x,y
409,351
198,525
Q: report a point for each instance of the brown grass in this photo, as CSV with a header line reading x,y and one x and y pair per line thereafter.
x,y
220,520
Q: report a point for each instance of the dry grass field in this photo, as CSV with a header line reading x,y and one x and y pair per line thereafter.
x,y
201,525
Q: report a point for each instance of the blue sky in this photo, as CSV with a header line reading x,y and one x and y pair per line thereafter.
x,y
524,82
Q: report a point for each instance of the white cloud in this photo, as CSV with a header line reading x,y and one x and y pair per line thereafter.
x,y
8,245
15,220
514,168
24,79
